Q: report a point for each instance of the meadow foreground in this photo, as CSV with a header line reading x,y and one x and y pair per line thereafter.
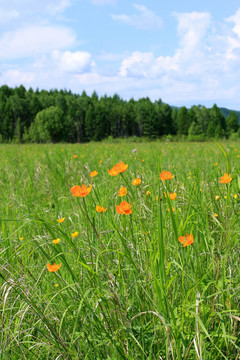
x,y
120,251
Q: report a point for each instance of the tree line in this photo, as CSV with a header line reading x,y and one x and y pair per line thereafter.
x,y
61,116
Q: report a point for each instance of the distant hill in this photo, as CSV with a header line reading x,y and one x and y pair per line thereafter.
x,y
225,112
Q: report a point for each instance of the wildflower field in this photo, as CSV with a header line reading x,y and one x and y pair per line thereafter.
x,y
120,251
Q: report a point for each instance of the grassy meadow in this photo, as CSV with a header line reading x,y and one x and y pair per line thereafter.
x,y
156,279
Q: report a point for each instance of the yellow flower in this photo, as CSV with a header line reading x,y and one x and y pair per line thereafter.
x,y
56,285
100,209
217,197
215,164
75,234
93,173
215,215
148,193
235,196
136,181
21,238
56,241
61,220
122,191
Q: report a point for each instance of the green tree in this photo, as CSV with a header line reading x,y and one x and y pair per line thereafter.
x,y
182,121
232,124
89,126
210,130
218,121
48,125
146,116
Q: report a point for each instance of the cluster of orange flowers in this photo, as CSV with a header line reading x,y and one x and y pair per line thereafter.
x,y
124,207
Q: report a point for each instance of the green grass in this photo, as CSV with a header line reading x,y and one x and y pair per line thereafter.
x,y
127,288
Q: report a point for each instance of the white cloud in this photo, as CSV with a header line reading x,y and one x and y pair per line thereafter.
x,y
75,62
34,41
145,18
192,28
60,7
200,68
204,66
34,7
188,59
7,15
233,39
146,65
236,20
16,77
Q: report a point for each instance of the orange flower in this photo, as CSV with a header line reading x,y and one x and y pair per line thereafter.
x,y
81,191
74,156
172,196
166,175
93,173
54,267
118,168
186,240
100,209
61,220
124,208
225,179
172,209
122,191
56,241
75,234
136,181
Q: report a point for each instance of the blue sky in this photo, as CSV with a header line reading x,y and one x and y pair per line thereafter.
x,y
184,52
